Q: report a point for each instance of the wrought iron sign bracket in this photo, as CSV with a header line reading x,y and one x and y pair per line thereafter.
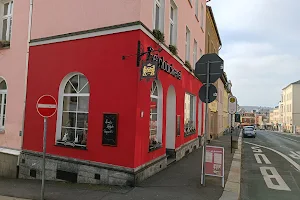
x,y
140,53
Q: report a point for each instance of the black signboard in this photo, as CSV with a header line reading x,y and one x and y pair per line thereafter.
x,y
110,128
178,125
149,69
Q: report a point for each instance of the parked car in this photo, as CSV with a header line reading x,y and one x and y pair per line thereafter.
x,y
249,131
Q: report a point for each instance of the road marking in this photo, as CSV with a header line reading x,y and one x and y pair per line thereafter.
x,y
256,149
274,174
286,137
295,155
264,157
279,153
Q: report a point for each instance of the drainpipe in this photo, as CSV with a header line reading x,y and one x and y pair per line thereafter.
x,y
26,72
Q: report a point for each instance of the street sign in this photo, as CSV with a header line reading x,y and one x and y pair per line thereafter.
x,y
232,105
46,106
216,68
237,118
214,162
212,93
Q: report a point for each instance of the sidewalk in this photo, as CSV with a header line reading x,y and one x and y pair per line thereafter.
x,y
180,181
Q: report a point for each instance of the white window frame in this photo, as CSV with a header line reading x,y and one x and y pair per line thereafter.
x,y
187,44
190,101
195,53
202,16
173,22
3,93
196,8
159,109
8,17
60,109
161,21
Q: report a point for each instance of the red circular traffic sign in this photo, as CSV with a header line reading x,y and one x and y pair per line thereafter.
x,y
46,106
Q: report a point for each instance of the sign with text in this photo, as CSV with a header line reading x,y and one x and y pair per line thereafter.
x,y
232,105
214,162
110,128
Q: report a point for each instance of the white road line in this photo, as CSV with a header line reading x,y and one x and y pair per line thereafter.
x,y
274,174
279,153
264,157
46,106
286,137
295,155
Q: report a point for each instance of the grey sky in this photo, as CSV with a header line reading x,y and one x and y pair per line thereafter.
x,y
260,47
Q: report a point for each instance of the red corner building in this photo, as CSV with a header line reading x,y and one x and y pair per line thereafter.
x,y
112,126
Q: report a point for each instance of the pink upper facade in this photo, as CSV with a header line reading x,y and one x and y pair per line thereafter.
x,y
56,17
13,71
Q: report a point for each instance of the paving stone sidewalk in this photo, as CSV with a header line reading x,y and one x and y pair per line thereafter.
x,y
180,181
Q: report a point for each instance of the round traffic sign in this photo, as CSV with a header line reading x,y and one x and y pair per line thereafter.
x,y
216,68
46,106
212,93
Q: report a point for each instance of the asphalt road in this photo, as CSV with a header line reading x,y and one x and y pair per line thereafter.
x,y
271,167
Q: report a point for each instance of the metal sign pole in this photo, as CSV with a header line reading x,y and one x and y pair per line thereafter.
x,y
44,158
231,133
206,128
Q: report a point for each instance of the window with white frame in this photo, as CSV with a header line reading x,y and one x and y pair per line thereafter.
x,y
158,15
73,111
196,8
187,44
189,114
155,138
173,23
195,53
6,11
202,16
3,94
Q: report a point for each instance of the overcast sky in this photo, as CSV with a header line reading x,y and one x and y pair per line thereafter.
x,y
261,40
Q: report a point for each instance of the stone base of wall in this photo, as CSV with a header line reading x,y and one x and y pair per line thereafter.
x,y
78,171
8,163
187,148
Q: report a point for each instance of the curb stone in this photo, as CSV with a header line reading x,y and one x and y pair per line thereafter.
x,y
233,183
11,198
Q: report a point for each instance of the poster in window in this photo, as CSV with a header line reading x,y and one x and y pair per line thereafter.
x,y
178,125
110,128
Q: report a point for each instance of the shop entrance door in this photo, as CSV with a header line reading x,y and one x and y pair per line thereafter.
x,y
171,125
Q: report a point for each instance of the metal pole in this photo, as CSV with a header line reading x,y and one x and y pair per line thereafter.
x,y
44,157
206,128
231,134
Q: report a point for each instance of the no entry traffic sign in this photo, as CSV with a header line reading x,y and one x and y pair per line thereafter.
x,y
46,106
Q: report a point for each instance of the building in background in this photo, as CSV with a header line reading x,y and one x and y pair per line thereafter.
x,y
275,118
291,107
79,56
14,25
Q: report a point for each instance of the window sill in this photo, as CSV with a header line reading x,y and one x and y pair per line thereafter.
x,y
5,47
60,143
2,131
155,147
189,134
197,18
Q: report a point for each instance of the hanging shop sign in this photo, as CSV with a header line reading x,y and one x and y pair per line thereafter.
x,y
149,69
165,66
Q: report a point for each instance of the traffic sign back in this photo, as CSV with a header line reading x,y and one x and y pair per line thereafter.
x,y
216,68
46,106
212,93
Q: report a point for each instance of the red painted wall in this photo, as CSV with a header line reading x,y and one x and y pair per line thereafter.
x,y
114,87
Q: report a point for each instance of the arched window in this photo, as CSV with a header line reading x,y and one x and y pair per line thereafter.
x,y
3,93
155,115
74,108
